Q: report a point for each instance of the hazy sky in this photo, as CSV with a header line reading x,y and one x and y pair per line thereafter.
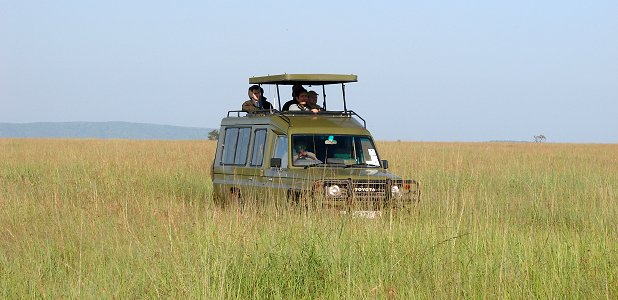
x,y
428,70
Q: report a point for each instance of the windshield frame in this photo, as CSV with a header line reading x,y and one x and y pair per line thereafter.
x,y
359,147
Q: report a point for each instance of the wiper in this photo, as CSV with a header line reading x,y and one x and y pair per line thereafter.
x,y
362,165
313,165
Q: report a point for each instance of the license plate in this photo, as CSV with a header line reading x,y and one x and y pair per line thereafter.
x,y
365,214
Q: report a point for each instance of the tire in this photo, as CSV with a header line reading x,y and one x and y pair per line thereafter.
x,y
235,198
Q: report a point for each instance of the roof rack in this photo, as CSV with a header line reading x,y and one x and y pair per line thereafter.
x,y
260,112
330,113
285,115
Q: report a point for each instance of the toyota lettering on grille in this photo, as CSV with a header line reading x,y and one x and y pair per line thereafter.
x,y
364,189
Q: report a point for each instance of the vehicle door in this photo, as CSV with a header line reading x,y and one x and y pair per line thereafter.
x,y
255,170
277,177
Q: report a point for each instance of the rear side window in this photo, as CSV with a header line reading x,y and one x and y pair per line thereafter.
x,y
259,140
236,146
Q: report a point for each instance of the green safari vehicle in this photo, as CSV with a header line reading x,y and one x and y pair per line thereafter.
x,y
326,159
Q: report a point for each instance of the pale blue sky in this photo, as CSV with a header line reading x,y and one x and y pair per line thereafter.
x,y
428,70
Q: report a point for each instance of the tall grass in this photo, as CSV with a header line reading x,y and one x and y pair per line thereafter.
x,y
135,219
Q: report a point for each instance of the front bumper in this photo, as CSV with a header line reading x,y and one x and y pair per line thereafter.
x,y
366,194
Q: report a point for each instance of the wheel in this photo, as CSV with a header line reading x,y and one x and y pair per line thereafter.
x,y
304,200
235,198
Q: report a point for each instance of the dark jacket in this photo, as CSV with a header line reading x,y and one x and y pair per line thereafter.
x,y
312,106
286,106
249,105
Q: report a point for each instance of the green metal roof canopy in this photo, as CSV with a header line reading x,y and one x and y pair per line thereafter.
x,y
304,79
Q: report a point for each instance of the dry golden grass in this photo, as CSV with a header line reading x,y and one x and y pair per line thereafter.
x,y
135,219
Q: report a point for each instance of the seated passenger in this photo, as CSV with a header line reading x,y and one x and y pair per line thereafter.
x,y
303,155
256,100
312,100
295,89
302,103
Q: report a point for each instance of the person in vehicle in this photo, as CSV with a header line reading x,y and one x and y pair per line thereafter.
x,y
256,101
312,101
295,89
303,155
302,104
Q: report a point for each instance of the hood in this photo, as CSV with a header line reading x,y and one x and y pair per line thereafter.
x,y
316,173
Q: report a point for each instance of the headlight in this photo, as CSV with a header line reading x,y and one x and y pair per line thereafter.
x,y
333,190
395,191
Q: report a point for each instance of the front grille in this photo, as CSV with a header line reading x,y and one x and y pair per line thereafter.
x,y
375,190
361,190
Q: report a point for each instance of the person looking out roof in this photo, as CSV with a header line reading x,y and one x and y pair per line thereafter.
x,y
302,105
295,89
312,100
256,101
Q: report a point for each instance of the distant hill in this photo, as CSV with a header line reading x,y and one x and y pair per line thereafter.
x,y
102,130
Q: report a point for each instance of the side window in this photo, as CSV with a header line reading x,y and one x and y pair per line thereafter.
x,y
367,153
259,140
281,150
236,146
242,147
229,146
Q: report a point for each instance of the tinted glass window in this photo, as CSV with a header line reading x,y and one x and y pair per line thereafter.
x,y
236,146
242,146
259,140
229,145
366,151
341,150
281,150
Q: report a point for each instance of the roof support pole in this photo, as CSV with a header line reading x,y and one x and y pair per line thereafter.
x,y
345,108
278,98
323,97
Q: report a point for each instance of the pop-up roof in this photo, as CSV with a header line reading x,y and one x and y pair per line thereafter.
x,y
303,79
306,79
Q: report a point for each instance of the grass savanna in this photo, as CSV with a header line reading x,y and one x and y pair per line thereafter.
x,y
135,219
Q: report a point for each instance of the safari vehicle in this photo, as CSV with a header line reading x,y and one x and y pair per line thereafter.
x,y
328,159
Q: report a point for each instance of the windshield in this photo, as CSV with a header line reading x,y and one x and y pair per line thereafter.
x,y
344,150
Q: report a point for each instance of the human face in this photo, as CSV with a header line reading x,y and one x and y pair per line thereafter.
x,y
302,98
301,150
312,99
255,95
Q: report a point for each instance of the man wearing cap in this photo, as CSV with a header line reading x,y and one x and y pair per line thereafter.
x,y
256,100
312,101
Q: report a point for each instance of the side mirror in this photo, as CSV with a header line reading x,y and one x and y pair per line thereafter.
x,y
275,162
385,164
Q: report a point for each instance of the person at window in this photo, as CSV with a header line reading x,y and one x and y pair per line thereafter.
x,y
295,89
312,101
256,101
302,104
303,155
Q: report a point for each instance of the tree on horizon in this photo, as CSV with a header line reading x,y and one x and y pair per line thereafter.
x,y
213,135
539,138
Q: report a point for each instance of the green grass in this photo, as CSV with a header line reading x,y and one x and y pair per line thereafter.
x,y
135,219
